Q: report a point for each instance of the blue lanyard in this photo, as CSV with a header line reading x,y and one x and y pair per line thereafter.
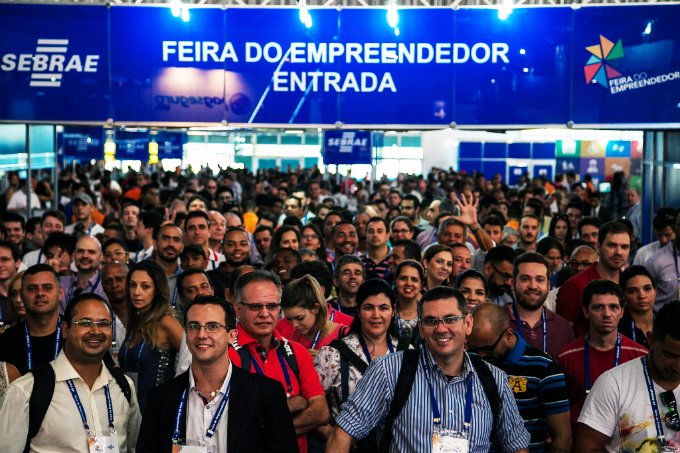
x,y
81,410
518,321
71,290
586,360
332,314
124,352
364,347
40,256
400,328
215,420
316,339
632,330
282,361
652,399
436,415
29,349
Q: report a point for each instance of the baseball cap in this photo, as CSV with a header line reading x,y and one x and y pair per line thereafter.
x,y
85,198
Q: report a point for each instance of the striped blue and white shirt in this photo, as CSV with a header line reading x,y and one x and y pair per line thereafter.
x,y
368,406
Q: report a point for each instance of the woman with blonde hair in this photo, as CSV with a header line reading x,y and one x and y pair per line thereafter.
x,y
16,312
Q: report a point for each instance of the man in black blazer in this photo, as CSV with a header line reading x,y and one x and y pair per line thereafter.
x,y
255,416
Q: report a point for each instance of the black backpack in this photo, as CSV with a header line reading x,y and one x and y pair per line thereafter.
x,y
44,381
288,355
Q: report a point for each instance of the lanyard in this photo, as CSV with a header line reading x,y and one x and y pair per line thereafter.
x,y
175,293
332,314
215,420
40,255
29,349
124,351
71,290
113,329
632,330
282,361
652,399
586,360
436,415
400,329
81,410
364,347
518,321
316,339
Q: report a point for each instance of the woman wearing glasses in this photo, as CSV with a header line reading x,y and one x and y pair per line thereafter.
x,y
438,262
639,293
474,287
313,240
408,283
305,309
153,333
342,364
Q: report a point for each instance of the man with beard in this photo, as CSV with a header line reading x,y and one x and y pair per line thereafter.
x,y
531,321
82,211
169,246
614,240
345,240
632,394
528,232
87,257
113,282
536,381
348,275
498,272
602,348
236,249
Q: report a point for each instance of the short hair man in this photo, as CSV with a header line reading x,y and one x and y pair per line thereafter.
x,y
197,231
211,383
640,393
530,319
82,211
349,273
614,246
130,218
529,226
462,259
108,420
451,231
345,239
169,246
536,381
40,293
236,248
193,256
147,230
498,272
360,222
113,282
51,221
443,370
87,257
258,306
263,240
662,267
602,348
376,258
15,225
574,213
409,207
588,229
663,224
403,250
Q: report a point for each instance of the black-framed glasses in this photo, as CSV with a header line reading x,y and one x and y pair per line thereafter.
x,y
259,307
86,323
504,275
486,350
672,418
446,320
210,327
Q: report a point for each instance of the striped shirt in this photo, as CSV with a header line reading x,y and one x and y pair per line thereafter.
x,y
373,269
413,428
539,387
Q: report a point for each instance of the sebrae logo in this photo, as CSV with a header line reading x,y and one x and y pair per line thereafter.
x,y
49,63
600,69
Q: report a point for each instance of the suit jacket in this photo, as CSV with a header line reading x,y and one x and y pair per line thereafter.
x,y
259,419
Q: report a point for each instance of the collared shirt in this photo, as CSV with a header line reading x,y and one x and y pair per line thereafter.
x,y
142,255
200,416
93,230
662,266
502,300
645,252
367,407
71,286
569,303
559,331
33,257
214,260
62,429
378,270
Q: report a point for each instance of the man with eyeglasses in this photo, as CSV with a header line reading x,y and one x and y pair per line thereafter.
x,y
498,272
260,349
215,406
536,381
445,405
634,407
91,407
601,348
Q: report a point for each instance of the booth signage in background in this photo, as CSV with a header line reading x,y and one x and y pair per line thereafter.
x,y
598,65
170,144
347,147
132,145
82,144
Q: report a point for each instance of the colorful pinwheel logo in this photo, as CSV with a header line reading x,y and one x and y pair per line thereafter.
x,y
597,68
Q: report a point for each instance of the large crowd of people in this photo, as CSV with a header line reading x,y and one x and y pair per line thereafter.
x,y
227,311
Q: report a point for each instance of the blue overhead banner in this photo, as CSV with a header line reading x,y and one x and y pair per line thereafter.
x,y
347,147
263,66
170,144
83,143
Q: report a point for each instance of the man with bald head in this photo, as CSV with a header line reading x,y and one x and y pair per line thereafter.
x,y
536,381
87,257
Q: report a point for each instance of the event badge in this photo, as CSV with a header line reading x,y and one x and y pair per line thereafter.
x,y
177,448
103,444
447,441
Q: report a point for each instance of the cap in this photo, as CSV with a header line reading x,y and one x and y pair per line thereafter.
x,y
85,198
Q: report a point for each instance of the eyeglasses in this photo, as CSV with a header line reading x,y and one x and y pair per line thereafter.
x,y
486,350
446,320
671,419
504,275
255,308
89,323
309,237
404,231
580,263
210,327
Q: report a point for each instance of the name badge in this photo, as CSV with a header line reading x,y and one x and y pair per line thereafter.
x,y
447,441
102,444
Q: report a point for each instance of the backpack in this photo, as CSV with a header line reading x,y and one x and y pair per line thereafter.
x,y
288,354
44,381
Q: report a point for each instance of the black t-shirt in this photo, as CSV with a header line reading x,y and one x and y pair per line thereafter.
x,y
13,348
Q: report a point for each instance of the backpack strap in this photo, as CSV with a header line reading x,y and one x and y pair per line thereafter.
x,y
407,375
350,355
490,390
119,376
291,360
41,397
344,378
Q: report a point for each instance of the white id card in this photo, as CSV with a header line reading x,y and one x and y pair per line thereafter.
x,y
176,448
102,444
447,441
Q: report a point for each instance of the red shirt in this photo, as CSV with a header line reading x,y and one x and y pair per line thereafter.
x,y
572,360
325,341
569,303
559,331
285,328
308,388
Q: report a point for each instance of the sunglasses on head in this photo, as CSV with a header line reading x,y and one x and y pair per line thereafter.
x,y
672,418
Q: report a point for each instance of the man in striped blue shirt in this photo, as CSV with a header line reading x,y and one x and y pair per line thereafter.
x,y
447,407
535,379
